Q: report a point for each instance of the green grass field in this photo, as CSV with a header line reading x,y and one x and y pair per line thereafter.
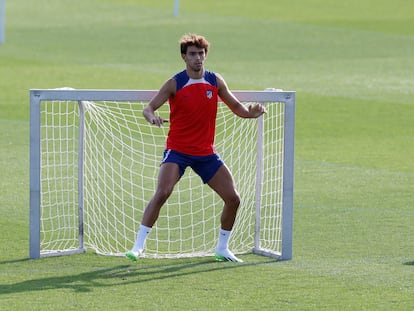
x,y
352,66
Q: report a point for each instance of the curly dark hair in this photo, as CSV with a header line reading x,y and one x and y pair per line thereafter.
x,y
193,40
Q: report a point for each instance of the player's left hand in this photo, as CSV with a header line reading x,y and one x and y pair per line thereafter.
x,y
256,110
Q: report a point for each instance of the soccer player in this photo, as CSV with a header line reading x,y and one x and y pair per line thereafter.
x,y
193,97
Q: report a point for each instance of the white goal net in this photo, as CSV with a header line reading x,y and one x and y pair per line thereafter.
x,y
94,163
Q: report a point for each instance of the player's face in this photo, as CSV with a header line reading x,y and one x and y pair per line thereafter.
x,y
194,58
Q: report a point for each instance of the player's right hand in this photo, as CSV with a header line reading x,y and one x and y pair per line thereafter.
x,y
158,121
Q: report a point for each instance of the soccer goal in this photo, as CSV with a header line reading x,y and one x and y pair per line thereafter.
x,y
94,163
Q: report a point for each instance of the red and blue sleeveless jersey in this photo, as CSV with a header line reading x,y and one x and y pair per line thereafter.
x,y
193,112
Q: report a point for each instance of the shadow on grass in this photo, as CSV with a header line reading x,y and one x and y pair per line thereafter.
x,y
409,263
122,275
14,261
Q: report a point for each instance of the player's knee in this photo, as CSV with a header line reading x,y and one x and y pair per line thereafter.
x,y
163,194
234,201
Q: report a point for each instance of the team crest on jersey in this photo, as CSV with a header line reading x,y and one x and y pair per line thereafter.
x,y
209,94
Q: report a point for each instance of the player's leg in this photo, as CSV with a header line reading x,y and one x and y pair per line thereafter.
x,y
223,184
167,178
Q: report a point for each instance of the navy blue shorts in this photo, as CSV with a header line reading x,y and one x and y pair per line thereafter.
x,y
204,166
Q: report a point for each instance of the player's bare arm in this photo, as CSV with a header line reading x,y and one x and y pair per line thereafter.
x,y
253,111
166,91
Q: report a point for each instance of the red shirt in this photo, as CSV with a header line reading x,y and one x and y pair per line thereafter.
x,y
193,112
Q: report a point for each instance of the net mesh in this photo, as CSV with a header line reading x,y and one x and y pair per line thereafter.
x,y
121,157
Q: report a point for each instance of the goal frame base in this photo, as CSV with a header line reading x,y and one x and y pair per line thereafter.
x,y
62,253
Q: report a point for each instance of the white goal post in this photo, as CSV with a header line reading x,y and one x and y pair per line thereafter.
x,y
2,21
94,163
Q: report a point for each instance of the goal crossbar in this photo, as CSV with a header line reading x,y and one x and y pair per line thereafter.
x,y
85,148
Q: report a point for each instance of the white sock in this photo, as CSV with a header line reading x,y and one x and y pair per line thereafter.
x,y
141,238
223,241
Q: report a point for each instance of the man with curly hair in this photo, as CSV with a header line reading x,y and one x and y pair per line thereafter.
x,y
193,98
